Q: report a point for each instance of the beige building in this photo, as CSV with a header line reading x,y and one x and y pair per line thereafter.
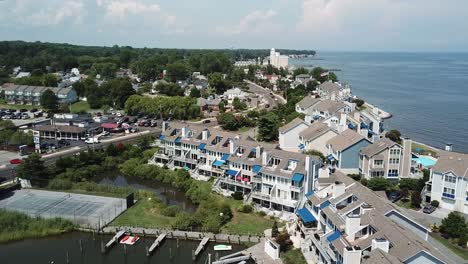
x,y
316,137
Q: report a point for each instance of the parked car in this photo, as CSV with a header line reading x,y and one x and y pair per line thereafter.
x,y
206,121
92,141
16,161
63,142
23,110
429,209
34,110
393,196
38,114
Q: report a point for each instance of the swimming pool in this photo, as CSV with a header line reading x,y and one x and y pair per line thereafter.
x,y
426,161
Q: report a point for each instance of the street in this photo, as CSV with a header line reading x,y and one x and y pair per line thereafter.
x,y
270,97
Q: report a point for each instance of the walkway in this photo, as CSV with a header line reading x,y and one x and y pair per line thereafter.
x,y
257,253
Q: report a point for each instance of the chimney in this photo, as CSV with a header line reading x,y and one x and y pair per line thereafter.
x,y
258,150
232,145
352,255
343,118
338,189
264,158
165,126
381,243
352,225
184,132
448,147
205,134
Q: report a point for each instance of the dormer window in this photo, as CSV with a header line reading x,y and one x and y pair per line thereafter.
x,y
216,140
292,164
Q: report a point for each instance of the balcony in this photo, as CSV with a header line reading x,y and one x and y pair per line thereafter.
x,y
261,195
236,182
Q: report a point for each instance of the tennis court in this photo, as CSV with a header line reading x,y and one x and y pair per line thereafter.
x,y
86,210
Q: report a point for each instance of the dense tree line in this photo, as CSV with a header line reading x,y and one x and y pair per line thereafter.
x,y
113,92
176,107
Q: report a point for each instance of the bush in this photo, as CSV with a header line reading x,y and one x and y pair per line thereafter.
x,y
378,184
454,225
435,203
274,229
416,199
261,213
355,177
284,241
238,196
245,208
411,184
170,211
463,240
364,181
184,221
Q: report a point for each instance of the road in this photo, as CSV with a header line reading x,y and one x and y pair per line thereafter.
x,y
8,171
266,94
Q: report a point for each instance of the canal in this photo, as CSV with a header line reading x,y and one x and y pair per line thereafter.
x,y
56,249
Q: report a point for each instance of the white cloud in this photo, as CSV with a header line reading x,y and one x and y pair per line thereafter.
x,y
255,22
123,8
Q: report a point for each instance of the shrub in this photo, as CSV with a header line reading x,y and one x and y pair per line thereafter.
x,y
364,181
184,221
237,196
245,208
261,213
411,184
435,203
170,211
463,240
274,229
454,225
378,184
284,241
355,177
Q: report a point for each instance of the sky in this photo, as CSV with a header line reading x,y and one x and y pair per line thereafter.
x,y
328,25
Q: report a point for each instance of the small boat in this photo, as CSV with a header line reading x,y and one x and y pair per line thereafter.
x,y
129,240
222,247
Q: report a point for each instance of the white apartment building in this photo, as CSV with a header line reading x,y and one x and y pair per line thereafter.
x,y
289,134
449,181
277,60
344,222
271,178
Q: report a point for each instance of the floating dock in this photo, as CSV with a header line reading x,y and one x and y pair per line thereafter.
x,y
157,242
115,238
201,246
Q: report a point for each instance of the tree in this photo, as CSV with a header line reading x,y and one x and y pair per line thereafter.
x,y
49,100
238,104
50,80
195,93
268,127
32,168
394,135
454,225
144,142
311,85
177,71
218,82
228,121
284,241
317,74
358,102
299,71
222,107
404,192
170,89
416,199
274,229
378,184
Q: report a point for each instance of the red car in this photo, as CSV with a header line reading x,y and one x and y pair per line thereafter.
x,y
16,161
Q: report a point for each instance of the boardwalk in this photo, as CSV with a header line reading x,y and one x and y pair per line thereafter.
x,y
236,239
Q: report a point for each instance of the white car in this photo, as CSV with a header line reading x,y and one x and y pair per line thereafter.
x,y
92,141
119,114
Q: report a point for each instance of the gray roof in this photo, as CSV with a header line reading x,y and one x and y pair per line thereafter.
x,y
291,125
377,147
315,130
329,87
328,106
345,140
452,161
307,102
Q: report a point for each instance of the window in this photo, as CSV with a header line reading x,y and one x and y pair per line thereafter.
x,y
377,173
450,179
466,196
392,173
448,193
394,161
394,151
378,162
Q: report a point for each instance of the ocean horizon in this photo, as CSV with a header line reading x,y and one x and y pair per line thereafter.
x,y
426,92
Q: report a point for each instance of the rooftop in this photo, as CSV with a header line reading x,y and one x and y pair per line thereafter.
x,y
345,140
377,147
452,161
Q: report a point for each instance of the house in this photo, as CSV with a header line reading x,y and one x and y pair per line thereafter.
x,y
334,91
210,104
235,92
303,78
324,109
385,158
306,103
342,221
448,183
31,95
289,134
200,84
343,150
315,137
68,132
273,78
268,177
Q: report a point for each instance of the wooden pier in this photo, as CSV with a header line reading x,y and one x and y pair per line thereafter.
x,y
115,238
157,242
201,246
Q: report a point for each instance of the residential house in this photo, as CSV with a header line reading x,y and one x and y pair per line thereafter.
x,y
448,183
334,91
31,95
343,150
325,109
316,136
200,84
303,78
235,92
289,134
210,104
385,158
303,105
344,222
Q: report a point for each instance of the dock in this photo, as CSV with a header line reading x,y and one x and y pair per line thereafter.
x,y
157,242
115,238
201,246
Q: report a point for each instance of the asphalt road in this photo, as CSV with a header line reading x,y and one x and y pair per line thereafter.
x,y
265,93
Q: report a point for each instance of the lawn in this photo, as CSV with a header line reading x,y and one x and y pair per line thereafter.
x,y
244,129
463,253
80,107
425,149
144,213
293,256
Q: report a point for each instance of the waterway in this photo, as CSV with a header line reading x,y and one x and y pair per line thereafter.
x,y
427,93
56,249
167,193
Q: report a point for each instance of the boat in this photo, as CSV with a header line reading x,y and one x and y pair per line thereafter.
x,y
222,247
129,240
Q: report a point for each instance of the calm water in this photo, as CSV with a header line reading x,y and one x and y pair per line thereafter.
x,y
427,93
165,192
55,249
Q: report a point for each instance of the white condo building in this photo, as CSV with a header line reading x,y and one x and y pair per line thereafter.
x,y
277,60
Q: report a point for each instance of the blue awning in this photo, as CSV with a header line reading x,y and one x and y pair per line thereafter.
x,y
177,140
218,163
202,146
298,177
351,126
306,215
370,133
310,193
301,146
162,137
363,125
254,150
334,236
256,168
232,172
331,157
324,204
225,157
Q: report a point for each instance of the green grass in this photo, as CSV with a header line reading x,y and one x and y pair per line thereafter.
x,y
425,149
17,107
450,244
293,256
80,107
244,129
242,223
145,213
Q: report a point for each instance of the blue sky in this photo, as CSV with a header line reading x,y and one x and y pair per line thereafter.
x,y
339,25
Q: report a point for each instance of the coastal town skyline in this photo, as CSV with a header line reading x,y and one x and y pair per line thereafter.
x,y
361,25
